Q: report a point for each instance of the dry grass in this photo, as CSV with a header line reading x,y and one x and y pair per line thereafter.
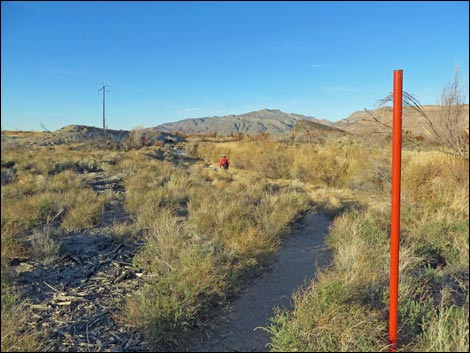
x,y
209,231
326,318
447,331
189,279
16,336
124,232
337,163
436,180
206,232
433,268
84,210
44,197
15,339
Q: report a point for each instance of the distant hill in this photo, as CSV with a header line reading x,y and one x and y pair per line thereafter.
x,y
272,121
313,132
81,133
310,125
361,122
253,123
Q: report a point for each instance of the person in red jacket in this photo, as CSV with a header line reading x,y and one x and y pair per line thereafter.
x,y
223,162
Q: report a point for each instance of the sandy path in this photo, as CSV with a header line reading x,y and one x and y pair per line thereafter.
x,y
298,258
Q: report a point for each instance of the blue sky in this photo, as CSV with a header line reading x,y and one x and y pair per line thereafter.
x,y
167,61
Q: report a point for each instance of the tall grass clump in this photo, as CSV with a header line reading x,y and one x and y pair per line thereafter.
x,y
83,210
156,185
206,233
342,310
187,281
46,243
16,336
446,331
434,180
433,292
248,220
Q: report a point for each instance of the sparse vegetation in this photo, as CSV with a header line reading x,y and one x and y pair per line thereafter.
x,y
445,126
206,232
201,242
16,336
350,298
449,128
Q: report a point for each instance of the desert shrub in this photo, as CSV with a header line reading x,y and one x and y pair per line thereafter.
x,y
125,232
433,270
326,319
158,185
20,214
65,181
436,180
36,200
46,244
446,331
244,209
83,210
190,280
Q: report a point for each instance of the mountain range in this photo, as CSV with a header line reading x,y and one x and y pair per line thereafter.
x,y
274,121
295,127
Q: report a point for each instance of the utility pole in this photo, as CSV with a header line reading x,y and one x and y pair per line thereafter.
x,y
104,90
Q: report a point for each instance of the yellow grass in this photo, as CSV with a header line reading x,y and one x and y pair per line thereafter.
x,y
208,230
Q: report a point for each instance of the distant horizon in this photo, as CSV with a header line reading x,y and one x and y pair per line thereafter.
x,y
201,117
166,61
169,122
137,125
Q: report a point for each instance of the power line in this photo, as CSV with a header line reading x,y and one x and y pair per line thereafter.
x,y
104,90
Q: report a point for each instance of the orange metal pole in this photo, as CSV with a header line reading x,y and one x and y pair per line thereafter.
x,y
395,217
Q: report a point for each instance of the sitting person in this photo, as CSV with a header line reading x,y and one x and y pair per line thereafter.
x,y
223,162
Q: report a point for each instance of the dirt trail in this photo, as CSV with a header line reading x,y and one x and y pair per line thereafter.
x,y
75,297
295,265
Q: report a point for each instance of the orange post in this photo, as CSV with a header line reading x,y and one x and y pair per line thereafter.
x,y
395,217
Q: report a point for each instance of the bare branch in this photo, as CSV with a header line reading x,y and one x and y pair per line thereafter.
x,y
376,119
47,130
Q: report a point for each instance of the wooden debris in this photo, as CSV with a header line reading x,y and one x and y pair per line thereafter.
x,y
54,289
73,299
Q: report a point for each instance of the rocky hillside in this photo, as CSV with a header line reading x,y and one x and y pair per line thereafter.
x,y
362,122
312,131
273,122
253,123
276,122
82,133
90,134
